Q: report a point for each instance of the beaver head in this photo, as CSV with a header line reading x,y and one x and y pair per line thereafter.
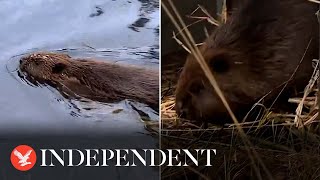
x,y
197,100
44,66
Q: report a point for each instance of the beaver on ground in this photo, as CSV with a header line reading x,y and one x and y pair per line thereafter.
x,y
100,81
254,52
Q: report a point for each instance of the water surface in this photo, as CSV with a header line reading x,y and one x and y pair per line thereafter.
x,y
107,30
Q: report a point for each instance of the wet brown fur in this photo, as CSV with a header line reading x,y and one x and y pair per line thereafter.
x,y
256,51
100,81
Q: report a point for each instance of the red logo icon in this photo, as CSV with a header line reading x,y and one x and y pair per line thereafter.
x,y
23,157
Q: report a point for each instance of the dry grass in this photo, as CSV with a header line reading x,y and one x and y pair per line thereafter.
x,y
305,114
287,143
281,145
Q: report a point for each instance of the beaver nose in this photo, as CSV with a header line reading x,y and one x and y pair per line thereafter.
x,y
180,110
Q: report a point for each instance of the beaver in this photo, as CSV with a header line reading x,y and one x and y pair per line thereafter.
x,y
95,80
255,52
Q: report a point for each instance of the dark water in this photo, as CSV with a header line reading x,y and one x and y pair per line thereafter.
x,y
101,29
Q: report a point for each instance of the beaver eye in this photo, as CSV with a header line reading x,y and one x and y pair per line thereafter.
x,y
58,68
219,64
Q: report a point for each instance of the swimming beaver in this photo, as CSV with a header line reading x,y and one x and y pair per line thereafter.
x,y
253,53
100,81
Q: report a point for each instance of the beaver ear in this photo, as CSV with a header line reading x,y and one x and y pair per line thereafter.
x,y
219,63
58,68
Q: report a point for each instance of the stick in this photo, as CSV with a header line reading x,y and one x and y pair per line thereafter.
x,y
318,85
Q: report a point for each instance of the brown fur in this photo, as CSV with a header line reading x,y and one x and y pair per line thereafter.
x,y
101,81
255,52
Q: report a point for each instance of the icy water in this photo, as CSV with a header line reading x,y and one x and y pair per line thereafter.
x,y
124,31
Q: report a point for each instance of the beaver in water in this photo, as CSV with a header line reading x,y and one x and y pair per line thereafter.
x,y
100,81
255,52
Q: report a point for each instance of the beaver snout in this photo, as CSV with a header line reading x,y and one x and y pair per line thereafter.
x,y
187,98
22,64
180,109
198,103
22,60
186,107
